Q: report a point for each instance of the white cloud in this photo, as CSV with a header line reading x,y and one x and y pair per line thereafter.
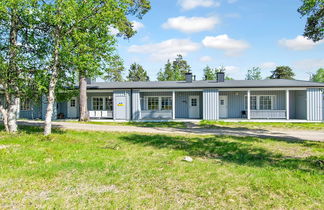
x,y
232,69
309,64
268,65
167,49
191,4
299,43
206,59
191,24
137,25
231,47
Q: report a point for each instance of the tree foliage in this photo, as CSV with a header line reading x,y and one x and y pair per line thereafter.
x,y
314,10
137,73
318,76
254,74
282,72
174,71
209,73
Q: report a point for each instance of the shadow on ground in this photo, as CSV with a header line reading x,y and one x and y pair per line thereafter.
x,y
238,151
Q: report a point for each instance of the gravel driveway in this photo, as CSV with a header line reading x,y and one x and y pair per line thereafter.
x,y
262,133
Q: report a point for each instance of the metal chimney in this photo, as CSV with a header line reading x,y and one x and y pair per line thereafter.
x,y
189,77
220,76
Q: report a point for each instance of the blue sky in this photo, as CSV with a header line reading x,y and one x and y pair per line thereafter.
x,y
238,34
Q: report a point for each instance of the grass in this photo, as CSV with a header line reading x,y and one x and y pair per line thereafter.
x,y
217,125
138,124
72,170
262,125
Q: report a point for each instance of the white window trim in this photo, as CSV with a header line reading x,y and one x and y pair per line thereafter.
x,y
273,99
160,102
104,103
22,106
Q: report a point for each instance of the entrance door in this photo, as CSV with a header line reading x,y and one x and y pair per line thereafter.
x,y
194,111
120,112
223,107
72,108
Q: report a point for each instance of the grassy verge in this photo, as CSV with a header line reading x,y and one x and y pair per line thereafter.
x,y
72,169
262,125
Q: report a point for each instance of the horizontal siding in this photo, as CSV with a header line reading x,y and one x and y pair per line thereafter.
x,y
136,109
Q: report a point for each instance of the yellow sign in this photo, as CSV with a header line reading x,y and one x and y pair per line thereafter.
x,y
120,105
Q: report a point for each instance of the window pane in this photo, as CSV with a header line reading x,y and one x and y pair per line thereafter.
x,y
265,102
72,103
97,104
25,105
166,103
253,102
109,103
193,102
153,103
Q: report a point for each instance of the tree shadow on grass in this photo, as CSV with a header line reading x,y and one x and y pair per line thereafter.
x,y
34,129
228,151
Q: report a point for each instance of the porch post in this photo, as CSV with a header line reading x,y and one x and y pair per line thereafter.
x,y
173,105
287,104
248,104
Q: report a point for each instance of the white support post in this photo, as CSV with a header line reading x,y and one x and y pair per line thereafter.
x,y
287,104
173,105
248,104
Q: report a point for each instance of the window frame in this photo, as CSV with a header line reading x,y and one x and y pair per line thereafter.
x,y
25,105
273,99
105,106
160,106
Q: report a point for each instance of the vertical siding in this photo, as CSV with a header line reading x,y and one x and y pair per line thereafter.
x,y
210,104
314,104
35,113
292,104
136,98
127,95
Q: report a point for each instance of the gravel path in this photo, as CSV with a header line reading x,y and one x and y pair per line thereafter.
x,y
262,133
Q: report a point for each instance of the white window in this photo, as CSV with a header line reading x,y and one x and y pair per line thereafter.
x,y
265,103
72,103
25,105
102,103
109,103
153,103
166,103
260,102
98,103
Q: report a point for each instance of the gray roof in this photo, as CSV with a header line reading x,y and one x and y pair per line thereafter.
x,y
269,83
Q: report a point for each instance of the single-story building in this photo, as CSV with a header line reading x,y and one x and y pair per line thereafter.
x,y
209,100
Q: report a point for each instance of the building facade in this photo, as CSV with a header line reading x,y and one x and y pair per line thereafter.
x,y
206,100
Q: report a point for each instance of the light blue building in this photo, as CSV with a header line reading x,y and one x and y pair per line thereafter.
x,y
209,100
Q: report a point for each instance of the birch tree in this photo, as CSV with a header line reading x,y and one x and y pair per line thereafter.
x,y
17,56
68,19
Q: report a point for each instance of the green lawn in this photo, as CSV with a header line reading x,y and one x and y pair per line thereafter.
x,y
73,170
262,125
167,124
217,125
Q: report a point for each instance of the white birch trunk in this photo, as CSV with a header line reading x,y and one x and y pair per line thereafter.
x,y
51,89
84,115
12,115
4,118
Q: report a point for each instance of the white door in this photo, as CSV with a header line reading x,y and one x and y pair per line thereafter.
x,y
120,112
194,107
223,107
72,108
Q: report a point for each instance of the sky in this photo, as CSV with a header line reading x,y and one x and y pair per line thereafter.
x,y
236,34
